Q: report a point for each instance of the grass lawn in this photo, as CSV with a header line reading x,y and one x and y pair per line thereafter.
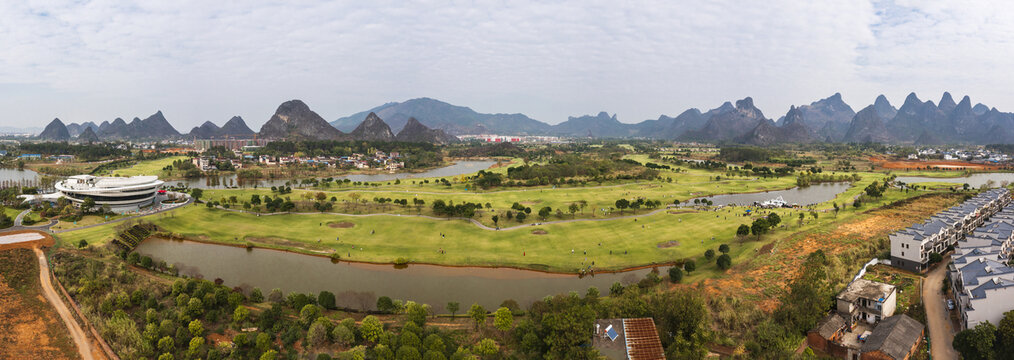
x,y
85,221
148,167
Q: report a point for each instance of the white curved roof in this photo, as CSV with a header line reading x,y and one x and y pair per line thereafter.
x,y
88,182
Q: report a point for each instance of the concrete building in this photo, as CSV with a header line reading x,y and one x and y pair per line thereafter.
x,y
980,275
911,247
866,301
118,193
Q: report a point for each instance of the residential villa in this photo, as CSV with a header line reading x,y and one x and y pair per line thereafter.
x,y
911,247
981,279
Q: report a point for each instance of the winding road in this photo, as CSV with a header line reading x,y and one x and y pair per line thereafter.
x,y
937,319
83,345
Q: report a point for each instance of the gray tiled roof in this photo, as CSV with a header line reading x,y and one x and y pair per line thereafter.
x,y
895,336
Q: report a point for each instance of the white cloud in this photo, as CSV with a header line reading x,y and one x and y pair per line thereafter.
x,y
200,60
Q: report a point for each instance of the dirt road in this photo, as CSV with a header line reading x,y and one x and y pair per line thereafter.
x,y
939,324
83,345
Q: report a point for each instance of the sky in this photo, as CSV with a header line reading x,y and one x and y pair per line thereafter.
x,y
210,60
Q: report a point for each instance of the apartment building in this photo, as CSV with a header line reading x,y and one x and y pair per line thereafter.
x,y
911,247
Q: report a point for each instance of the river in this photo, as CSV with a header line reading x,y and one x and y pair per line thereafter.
x,y
803,196
358,285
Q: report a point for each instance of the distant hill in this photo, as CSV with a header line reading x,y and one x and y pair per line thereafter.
x,y
55,131
87,136
453,119
828,117
234,128
372,128
294,120
867,126
414,131
76,129
154,127
730,125
792,130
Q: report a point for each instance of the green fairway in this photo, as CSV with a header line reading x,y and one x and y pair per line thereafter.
x,y
148,167
385,238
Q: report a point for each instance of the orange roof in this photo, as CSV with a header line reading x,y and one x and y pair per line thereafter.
x,y
642,340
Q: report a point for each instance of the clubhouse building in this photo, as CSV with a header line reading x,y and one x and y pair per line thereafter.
x,y
119,194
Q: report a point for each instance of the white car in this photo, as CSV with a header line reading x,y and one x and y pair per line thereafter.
x,y
950,304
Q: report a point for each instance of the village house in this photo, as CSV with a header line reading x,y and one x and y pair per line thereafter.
x,y
627,339
864,326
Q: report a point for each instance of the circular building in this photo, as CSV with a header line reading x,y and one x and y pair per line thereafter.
x,y
118,193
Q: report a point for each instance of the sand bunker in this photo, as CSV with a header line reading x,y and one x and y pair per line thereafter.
x,y
341,225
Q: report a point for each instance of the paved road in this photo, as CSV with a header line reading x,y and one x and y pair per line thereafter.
x,y
83,346
939,321
21,216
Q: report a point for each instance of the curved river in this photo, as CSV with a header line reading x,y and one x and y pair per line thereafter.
x,y
357,285
803,196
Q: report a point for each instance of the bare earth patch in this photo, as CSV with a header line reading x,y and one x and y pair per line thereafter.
x,y
668,244
539,232
766,275
341,225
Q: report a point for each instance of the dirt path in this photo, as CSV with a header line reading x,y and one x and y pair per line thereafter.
x,y
83,345
939,323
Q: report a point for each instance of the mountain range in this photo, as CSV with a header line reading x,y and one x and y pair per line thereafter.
x,y
425,119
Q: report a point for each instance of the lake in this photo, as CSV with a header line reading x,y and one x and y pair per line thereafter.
x,y
813,194
975,180
358,285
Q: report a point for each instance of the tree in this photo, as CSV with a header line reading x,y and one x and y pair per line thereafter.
x,y
774,219
724,262
689,266
194,349
166,344
371,328
622,204
486,347
520,216
836,209
275,295
759,227
308,314
573,208
408,353
269,355
544,212
743,230
503,319
724,248
935,258
327,300
240,314
343,335
496,219
196,328
256,296
417,313
675,274
1005,333
709,254
385,304
453,307
88,204
976,343
478,315
196,194
317,335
